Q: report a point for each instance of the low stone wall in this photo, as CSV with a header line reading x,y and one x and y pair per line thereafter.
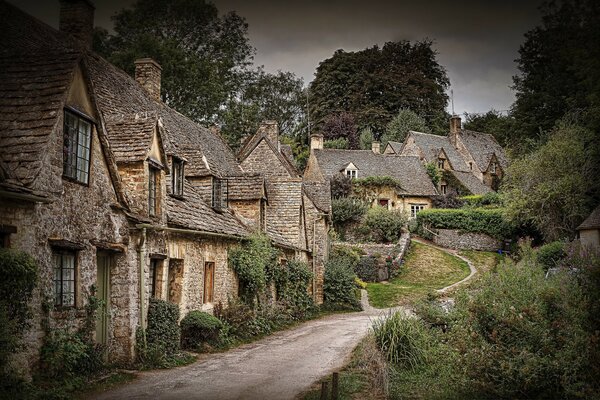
x,y
454,239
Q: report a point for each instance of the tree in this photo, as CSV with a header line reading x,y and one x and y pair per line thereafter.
x,y
373,84
559,68
556,186
397,129
203,55
493,122
341,125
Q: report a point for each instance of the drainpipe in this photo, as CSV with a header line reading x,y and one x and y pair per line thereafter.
x,y
142,256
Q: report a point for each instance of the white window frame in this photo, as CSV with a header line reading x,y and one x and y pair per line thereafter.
x,y
352,173
415,209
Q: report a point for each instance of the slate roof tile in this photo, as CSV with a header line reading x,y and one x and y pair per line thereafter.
x,y
592,221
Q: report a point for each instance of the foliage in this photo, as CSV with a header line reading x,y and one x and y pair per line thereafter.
x,y
291,283
397,129
341,186
376,182
198,327
373,84
495,123
162,336
433,172
554,188
366,138
384,225
559,69
345,255
341,126
489,199
549,255
338,285
360,283
404,341
479,220
251,262
339,143
449,200
366,269
347,209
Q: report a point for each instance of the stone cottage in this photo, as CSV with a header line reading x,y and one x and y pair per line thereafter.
x,y
411,193
589,230
116,194
471,162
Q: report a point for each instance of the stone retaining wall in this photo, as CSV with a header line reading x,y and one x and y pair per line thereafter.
x,y
454,239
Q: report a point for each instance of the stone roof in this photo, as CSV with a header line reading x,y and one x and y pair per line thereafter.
x,y
279,150
247,186
470,182
592,221
482,147
37,64
396,147
432,144
319,193
131,137
408,170
192,212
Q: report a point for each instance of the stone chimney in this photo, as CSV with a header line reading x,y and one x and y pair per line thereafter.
x,y
77,19
271,128
147,74
376,147
455,127
316,142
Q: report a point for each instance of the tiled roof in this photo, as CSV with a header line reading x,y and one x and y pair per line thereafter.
x,y
408,170
320,194
592,221
431,145
482,147
395,146
246,187
279,150
471,183
36,67
131,137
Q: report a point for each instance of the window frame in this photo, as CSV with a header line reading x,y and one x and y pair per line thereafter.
x,y
415,209
153,184
220,194
444,188
352,173
60,253
440,163
153,272
71,159
177,179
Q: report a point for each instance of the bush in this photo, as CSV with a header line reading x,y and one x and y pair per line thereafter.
x,y
449,200
339,143
162,334
404,341
488,221
341,186
488,199
347,209
367,268
549,255
338,285
198,327
384,225
433,172
291,283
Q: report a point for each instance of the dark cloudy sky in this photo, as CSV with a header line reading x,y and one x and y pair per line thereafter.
x,y
477,40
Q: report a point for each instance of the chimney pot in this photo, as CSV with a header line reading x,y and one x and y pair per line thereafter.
x,y
271,128
376,147
316,141
77,19
147,74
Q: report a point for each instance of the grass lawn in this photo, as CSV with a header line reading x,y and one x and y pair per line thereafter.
x,y
425,269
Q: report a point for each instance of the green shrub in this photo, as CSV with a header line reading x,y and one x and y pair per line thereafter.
x,y
488,199
339,143
162,334
375,182
345,255
384,225
347,209
549,255
291,283
433,172
488,221
338,285
198,327
367,268
404,341
341,186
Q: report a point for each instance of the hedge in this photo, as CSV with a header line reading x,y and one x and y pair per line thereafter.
x,y
488,221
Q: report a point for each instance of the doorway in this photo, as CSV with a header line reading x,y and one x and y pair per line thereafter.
x,y
103,261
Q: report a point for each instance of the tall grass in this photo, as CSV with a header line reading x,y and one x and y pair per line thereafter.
x,y
404,341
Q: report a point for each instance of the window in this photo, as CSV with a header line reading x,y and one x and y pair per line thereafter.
x,y
177,177
444,188
440,163
471,166
351,173
384,202
5,231
263,215
154,266
414,209
219,194
493,168
64,278
209,281
152,191
77,134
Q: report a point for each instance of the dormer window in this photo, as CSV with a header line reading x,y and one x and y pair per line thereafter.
x,y
440,163
219,194
493,168
152,191
177,177
77,133
351,173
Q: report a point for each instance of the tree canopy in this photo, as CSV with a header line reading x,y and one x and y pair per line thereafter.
x,y
373,84
493,122
397,129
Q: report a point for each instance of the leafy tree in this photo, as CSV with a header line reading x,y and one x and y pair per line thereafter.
x,y
559,68
366,138
397,129
341,125
493,122
373,84
556,186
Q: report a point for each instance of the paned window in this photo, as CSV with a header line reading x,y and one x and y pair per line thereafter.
x,y
152,191
64,278
444,188
414,209
177,178
76,151
493,168
219,194
352,173
440,163
154,265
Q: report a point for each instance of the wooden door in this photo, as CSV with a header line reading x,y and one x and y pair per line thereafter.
x,y
103,261
209,281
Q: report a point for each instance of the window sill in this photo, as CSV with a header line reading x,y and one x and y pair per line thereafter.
x,y
177,196
73,180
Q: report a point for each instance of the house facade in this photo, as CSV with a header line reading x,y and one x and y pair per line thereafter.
x,y
589,231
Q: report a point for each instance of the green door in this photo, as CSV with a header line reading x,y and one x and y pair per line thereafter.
x,y
103,294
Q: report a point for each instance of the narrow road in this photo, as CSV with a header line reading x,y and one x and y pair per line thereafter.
x,y
277,367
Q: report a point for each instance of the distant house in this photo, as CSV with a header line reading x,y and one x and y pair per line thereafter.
x,y
410,192
589,230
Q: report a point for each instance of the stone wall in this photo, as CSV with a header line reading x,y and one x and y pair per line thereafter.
x,y
264,160
285,210
454,239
